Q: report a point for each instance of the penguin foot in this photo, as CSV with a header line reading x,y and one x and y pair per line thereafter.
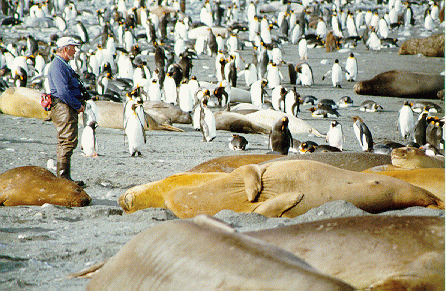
x,y
338,86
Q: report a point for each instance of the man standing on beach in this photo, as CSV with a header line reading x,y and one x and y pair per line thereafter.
x,y
65,90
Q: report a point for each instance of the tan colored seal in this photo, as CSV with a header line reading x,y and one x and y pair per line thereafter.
x,y
111,116
352,161
22,102
296,125
370,252
228,164
291,188
431,179
153,194
413,158
33,185
404,84
431,46
205,254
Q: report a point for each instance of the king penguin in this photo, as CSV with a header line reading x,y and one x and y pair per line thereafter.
x,y
89,142
292,102
351,66
335,135
257,91
207,122
155,90
280,138
274,76
278,98
134,130
237,143
363,134
305,74
336,74
405,120
420,128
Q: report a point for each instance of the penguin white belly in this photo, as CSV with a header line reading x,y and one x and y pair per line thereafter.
x,y
185,102
406,122
352,70
334,138
306,77
170,91
256,94
273,78
154,92
209,119
135,134
289,102
275,98
88,142
336,76
196,118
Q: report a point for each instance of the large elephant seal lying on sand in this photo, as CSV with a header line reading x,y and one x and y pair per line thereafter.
x,y
153,194
352,161
370,252
402,84
205,254
430,179
431,46
414,158
288,189
33,185
111,114
22,102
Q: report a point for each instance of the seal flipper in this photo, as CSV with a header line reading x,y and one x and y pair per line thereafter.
x,y
252,177
276,206
213,222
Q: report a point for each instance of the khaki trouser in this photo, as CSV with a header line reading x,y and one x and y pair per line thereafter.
x,y
65,119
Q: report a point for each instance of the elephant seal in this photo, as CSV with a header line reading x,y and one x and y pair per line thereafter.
x,y
431,179
111,116
153,194
296,125
31,185
171,112
431,46
352,161
227,164
291,188
22,102
402,84
205,254
236,122
414,158
236,94
390,252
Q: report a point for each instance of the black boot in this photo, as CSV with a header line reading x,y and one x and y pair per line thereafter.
x,y
64,171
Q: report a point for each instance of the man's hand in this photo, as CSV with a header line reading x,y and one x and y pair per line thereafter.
x,y
81,109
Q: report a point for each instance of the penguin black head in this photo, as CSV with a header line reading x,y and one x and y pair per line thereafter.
x,y
336,61
93,124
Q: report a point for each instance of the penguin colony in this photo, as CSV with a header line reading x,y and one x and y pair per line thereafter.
x,y
145,51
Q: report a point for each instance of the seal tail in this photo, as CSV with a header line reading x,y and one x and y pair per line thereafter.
x,y
169,128
317,133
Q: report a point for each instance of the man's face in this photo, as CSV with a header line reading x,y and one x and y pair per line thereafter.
x,y
70,51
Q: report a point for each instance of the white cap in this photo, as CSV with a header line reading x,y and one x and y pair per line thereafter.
x,y
66,40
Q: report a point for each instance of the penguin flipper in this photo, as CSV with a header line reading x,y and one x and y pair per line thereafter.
x,y
275,207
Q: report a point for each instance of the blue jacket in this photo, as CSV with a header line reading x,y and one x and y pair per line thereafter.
x,y
63,83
